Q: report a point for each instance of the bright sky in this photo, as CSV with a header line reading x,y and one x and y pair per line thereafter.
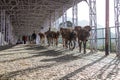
x,y
83,12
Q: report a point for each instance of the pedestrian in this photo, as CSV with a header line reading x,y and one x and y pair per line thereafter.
x,y
34,37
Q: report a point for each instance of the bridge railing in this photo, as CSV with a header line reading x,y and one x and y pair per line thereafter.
x,y
101,39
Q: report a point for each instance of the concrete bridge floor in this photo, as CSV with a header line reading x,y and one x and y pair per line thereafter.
x,y
33,62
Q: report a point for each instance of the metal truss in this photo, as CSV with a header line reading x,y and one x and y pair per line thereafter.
x,y
117,25
56,16
57,21
93,24
75,13
2,27
64,17
6,31
26,13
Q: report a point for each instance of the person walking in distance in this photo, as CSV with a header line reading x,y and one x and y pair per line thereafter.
x,y
24,38
34,37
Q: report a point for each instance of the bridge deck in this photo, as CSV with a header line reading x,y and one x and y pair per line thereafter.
x,y
31,62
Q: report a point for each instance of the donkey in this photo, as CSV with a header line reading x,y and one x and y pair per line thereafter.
x,y
68,37
83,34
52,37
42,37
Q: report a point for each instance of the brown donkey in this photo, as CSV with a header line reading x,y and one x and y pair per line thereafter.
x,y
52,37
42,38
83,34
68,37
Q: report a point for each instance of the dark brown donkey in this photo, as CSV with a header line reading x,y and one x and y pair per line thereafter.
x,y
55,37
68,37
42,38
83,34
52,37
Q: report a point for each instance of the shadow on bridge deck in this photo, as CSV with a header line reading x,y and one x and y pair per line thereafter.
x,y
38,62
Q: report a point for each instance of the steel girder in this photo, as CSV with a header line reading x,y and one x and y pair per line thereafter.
x,y
93,24
26,7
117,25
64,17
74,13
2,26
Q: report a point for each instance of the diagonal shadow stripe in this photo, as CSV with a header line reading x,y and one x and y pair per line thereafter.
x,y
80,69
6,47
66,58
9,75
114,71
99,73
38,54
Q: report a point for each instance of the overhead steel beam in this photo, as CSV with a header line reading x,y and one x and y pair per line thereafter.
x,y
1,2
27,13
8,7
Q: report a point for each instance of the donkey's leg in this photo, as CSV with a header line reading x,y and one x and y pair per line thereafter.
x,y
56,41
43,41
66,43
79,43
48,41
53,41
74,44
63,42
70,44
84,44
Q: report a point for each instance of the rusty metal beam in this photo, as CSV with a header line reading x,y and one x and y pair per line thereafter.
x,y
107,29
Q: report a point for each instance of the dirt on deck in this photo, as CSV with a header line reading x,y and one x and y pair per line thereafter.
x,y
33,62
